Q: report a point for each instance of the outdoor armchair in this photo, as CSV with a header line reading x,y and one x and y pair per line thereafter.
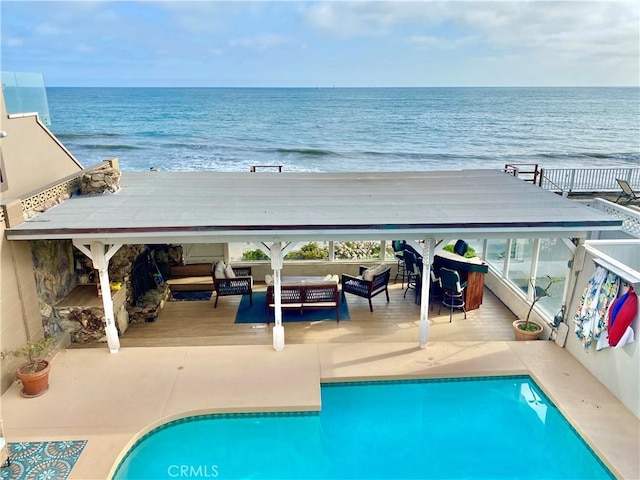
x,y
370,282
232,281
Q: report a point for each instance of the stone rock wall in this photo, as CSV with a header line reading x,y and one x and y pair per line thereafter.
x,y
120,268
53,266
87,325
175,255
100,180
57,266
150,305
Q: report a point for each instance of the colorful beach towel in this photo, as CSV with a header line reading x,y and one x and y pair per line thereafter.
x,y
590,319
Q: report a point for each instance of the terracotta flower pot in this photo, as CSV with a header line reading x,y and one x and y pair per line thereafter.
x,y
34,384
523,335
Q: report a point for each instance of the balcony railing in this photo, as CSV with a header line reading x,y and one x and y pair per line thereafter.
x,y
575,180
588,179
25,93
630,218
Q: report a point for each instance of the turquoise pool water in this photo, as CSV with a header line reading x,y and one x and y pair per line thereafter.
x,y
461,428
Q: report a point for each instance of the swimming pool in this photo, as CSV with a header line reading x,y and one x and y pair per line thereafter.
x,y
454,428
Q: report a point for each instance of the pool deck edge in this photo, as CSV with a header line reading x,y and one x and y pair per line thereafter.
x,y
111,400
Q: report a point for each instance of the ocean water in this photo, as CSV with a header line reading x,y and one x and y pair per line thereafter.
x,y
348,129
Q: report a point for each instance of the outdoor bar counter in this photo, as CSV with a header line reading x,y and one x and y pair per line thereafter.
x,y
471,270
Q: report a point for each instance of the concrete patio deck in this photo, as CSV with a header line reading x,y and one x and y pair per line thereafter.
x,y
110,400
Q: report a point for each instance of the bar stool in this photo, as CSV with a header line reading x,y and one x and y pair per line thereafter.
x,y
401,269
452,291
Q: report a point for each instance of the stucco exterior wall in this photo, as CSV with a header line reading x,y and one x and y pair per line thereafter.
x,y
617,368
31,156
19,304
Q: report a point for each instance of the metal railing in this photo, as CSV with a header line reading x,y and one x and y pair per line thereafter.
x,y
588,179
577,180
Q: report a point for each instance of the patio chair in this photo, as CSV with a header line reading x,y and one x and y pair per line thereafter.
x,y
370,283
627,191
452,291
401,270
229,280
435,290
5,459
414,274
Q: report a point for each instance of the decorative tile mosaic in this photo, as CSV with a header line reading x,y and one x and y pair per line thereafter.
x,y
42,460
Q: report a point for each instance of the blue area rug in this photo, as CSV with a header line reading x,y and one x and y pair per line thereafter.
x,y
42,460
258,313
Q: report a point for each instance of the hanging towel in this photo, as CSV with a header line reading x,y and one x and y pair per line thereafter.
x,y
590,320
621,315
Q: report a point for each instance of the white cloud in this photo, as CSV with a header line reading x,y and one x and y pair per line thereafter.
x,y
12,42
350,19
47,30
594,31
429,41
264,42
83,48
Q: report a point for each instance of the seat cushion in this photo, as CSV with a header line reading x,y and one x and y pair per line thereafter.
x,y
371,272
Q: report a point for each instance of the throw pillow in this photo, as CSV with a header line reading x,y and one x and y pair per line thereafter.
x,y
368,274
228,272
380,269
218,271
268,279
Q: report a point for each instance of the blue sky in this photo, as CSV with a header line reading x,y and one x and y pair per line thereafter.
x,y
315,43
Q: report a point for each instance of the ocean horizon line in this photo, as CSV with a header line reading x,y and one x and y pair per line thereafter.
x,y
319,87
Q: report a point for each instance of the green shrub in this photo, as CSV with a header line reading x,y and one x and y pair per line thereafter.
x,y
310,251
256,254
471,252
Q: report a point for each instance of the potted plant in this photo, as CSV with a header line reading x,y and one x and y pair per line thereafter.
x,y
34,373
527,329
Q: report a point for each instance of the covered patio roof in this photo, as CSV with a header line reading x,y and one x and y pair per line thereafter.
x,y
212,207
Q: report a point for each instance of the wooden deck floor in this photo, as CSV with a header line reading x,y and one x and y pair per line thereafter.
x,y
198,323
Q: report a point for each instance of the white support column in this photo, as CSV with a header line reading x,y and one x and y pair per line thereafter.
x,y
425,326
276,264
100,261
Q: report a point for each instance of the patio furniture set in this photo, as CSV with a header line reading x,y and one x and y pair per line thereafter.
x,y
303,292
458,283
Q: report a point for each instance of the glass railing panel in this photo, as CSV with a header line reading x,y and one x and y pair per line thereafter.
x,y
553,262
25,93
496,251
519,270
